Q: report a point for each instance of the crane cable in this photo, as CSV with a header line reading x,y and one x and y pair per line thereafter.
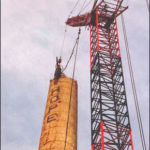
x,y
147,5
76,43
62,46
133,85
83,7
71,89
65,31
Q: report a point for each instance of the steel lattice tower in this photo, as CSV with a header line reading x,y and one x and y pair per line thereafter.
x,y
110,124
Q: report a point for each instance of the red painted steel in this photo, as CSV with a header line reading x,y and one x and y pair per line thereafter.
x,y
80,20
98,48
85,19
90,49
117,37
131,139
102,135
110,116
92,148
110,130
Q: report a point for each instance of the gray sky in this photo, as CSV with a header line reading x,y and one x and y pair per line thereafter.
x,y
32,34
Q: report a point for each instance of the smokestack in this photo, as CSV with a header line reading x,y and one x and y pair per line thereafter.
x,y
55,121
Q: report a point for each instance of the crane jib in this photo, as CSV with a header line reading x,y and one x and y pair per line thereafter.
x,y
108,12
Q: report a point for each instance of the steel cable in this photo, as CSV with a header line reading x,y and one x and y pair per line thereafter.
x,y
76,43
133,85
73,8
62,47
147,5
65,31
82,7
71,90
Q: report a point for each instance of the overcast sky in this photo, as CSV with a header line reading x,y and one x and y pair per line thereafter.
x,y
32,35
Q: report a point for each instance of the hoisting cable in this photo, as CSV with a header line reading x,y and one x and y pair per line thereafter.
x,y
62,47
76,44
71,89
83,7
147,5
73,8
133,85
65,31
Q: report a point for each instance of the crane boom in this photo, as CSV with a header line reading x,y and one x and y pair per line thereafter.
x,y
108,13
110,123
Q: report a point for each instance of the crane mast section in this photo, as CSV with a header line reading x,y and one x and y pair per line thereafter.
x,y
110,123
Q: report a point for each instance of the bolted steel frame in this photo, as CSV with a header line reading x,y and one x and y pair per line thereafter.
x,y
110,123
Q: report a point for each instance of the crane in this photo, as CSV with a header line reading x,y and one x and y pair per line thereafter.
x,y
110,122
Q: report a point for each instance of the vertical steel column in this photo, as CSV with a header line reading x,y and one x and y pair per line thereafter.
x,y
117,37
131,139
92,147
97,28
102,135
90,49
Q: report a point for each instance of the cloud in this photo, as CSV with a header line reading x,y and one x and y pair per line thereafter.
x,y
32,35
